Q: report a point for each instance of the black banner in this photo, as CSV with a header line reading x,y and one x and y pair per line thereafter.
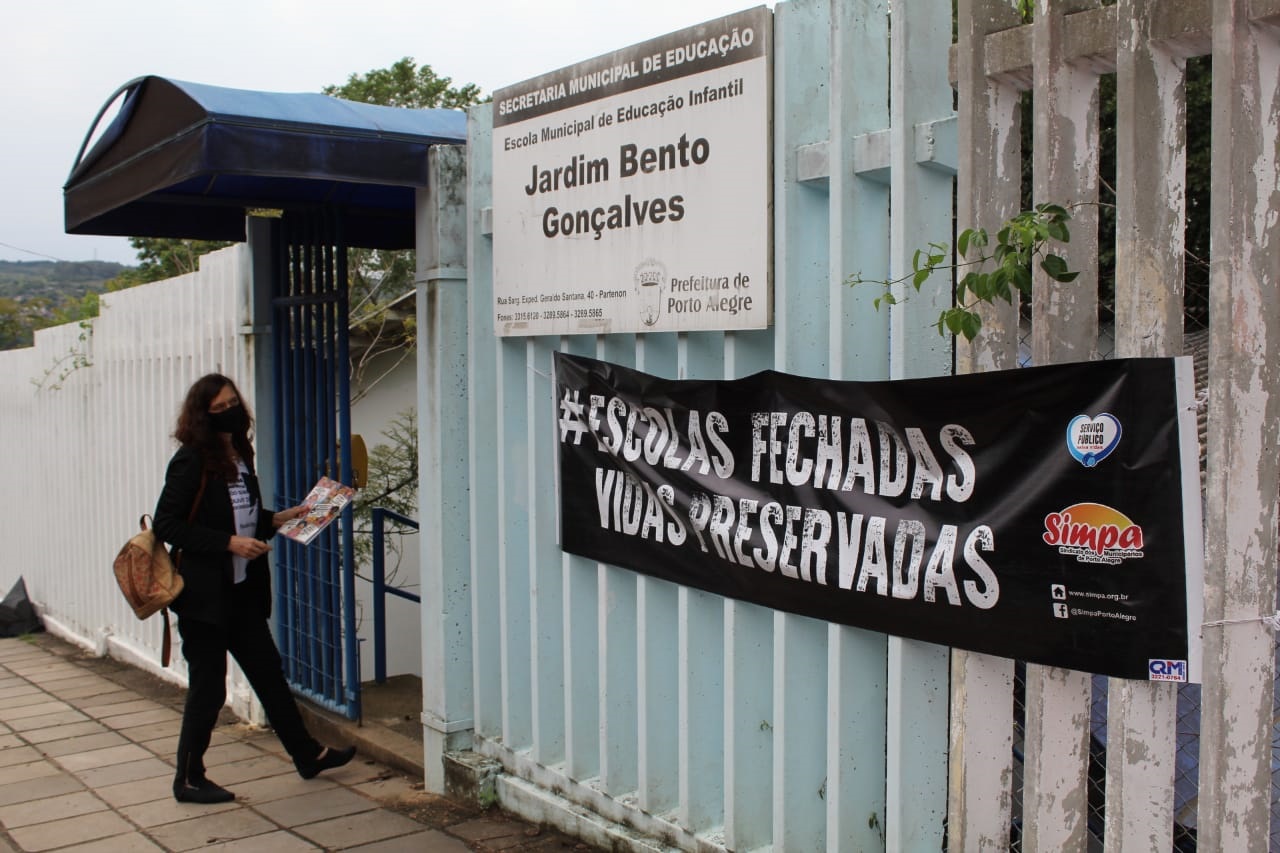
x,y
1049,514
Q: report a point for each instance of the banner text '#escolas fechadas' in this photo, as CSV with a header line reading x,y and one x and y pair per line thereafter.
x,y
966,510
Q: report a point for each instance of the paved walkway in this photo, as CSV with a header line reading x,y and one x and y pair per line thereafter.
x,y
86,751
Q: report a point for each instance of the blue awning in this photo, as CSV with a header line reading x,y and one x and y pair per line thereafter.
x,y
187,160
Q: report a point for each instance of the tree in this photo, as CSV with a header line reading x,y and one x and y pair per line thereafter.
x,y
405,84
163,257
379,280
19,320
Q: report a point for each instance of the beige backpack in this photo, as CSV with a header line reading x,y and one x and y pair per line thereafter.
x,y
146,575
150,580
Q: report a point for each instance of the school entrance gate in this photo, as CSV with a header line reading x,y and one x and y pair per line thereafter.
x,y
312,176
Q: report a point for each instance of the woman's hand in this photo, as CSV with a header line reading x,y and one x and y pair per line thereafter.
x,y
247,547
289,514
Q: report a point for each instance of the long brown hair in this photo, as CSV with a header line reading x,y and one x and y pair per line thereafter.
x,y
194,429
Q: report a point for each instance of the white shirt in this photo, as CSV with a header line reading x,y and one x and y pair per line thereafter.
x,y
246,512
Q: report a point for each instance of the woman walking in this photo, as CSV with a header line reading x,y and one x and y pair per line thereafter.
x,y
211,512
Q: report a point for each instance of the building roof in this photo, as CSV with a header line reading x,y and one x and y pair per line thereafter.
x,y
187,160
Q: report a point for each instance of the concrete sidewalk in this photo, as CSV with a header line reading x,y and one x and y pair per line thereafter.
x,y
86,752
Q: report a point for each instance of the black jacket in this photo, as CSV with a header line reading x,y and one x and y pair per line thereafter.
x,y
202,542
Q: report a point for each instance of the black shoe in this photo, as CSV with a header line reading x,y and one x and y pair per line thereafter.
x,y
328,759
203,792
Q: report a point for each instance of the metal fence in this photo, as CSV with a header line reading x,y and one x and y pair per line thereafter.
x,y
88,414
315,583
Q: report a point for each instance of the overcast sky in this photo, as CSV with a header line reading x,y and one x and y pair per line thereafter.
x,y
62,59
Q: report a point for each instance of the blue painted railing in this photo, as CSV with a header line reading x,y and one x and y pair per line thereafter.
x,y
378,518
315,583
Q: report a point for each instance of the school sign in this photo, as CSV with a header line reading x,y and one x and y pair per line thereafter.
x,y
631,192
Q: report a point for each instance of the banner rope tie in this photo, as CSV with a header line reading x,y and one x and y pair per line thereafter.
x,y
1272,621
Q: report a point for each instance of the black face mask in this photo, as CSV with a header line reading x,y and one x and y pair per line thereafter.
x,y
234,420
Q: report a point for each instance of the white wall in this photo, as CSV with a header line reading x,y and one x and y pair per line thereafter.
x,y
385,400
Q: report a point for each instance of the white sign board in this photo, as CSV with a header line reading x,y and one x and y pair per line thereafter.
x,y
631,192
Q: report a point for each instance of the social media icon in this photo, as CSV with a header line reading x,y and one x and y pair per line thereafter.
x,y
1058,591
1060,610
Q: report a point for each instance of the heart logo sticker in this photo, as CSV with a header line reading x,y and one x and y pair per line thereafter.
x,y
1091,440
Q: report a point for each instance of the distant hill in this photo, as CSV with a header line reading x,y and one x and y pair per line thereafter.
x,y
55,279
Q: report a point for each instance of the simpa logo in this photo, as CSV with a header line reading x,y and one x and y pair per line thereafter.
x,y
1091,440
1094,533
651,281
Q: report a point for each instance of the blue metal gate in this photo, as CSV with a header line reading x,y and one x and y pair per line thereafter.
x,y
315,589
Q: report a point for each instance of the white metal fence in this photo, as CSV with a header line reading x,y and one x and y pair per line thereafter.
x,y
88,415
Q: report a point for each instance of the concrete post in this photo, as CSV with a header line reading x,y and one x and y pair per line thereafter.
x,y
263,237
1142,716
1244,430
443,468
1064,328
980,770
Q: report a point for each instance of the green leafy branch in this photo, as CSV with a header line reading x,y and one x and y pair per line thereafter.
x,y
82,312
994,271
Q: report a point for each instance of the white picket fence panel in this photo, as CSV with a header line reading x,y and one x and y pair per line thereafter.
x,y
89,444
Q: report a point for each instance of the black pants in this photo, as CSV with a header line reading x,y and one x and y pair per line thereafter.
x,y
249,641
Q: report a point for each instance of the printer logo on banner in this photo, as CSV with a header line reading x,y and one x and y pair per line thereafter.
x,y
1049,514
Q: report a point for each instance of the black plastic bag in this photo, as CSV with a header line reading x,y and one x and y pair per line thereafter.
x,y
17,615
